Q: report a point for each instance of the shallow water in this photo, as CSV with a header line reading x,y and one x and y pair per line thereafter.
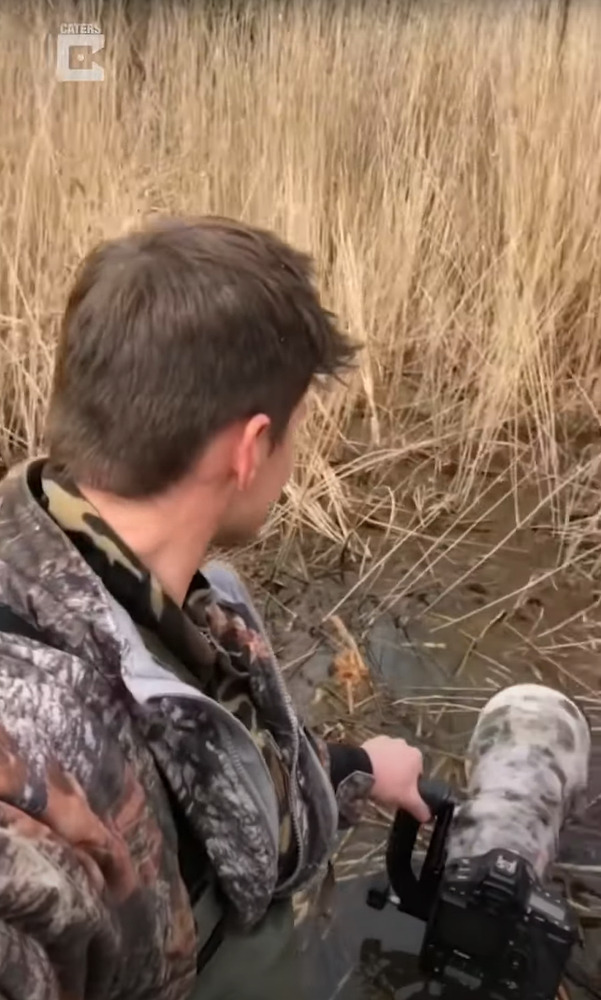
x,y
453,644
369,955
365,954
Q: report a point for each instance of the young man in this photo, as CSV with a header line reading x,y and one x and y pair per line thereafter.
x,y
159,800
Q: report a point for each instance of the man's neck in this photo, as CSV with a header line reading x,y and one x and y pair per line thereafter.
x,y
166,534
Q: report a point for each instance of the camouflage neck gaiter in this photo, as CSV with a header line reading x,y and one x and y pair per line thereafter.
x,y
182,639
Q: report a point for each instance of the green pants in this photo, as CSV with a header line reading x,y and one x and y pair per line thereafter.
x,y
262,964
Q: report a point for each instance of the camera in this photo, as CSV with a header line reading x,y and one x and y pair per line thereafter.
x,y
491,928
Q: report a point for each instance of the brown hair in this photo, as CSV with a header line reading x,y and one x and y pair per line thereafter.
x,y
171,334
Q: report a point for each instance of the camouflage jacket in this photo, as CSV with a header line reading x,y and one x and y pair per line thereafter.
x,y
98,732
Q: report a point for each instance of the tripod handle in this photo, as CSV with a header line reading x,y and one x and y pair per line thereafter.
x,y
417,894
435,793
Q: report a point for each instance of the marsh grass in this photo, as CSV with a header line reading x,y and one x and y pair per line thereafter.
x,y
441,162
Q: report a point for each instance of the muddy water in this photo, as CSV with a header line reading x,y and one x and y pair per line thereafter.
x,y
364,954
435,654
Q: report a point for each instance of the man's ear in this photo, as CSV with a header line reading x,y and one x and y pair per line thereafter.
x,y
252,449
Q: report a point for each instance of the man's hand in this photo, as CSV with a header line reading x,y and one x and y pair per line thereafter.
x,y
397,768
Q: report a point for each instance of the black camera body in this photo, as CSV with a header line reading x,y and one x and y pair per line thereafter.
x,y
491,929
494,930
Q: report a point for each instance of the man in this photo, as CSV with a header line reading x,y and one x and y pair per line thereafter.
x,y
159,800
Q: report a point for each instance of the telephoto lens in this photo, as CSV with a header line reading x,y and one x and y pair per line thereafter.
x,y
528,762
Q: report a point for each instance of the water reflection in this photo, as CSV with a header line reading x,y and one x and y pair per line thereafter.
x,y
364,954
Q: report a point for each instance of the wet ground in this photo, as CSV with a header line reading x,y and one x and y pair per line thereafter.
x,y
437,643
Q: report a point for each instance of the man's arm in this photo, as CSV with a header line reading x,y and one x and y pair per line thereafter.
x,y
345,760
352,778
384,770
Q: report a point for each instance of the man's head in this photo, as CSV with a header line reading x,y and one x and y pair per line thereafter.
x,y
185,356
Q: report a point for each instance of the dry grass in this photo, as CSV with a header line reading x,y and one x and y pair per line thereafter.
x,y
442,163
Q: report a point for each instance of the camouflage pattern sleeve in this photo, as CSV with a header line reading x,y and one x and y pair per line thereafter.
x,y
53,937
349,769
56,939
81,857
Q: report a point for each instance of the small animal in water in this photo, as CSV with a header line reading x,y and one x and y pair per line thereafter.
x,y
528,761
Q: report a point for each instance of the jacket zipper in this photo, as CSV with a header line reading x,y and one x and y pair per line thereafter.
x,y
292,721
294,724
234,754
